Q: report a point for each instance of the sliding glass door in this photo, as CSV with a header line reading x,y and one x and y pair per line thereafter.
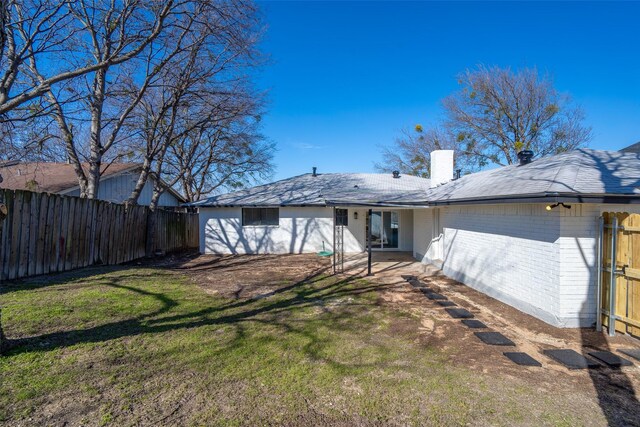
x,y
384,229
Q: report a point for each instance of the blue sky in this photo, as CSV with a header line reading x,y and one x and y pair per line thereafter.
x,y
347,77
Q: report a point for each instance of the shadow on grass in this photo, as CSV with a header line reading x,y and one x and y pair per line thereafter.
x,y
273,308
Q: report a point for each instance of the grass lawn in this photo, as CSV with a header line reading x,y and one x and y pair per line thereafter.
x,y
127,346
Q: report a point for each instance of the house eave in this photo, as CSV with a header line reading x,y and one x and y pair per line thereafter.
x,y
373,204
328,204
544,198
247,205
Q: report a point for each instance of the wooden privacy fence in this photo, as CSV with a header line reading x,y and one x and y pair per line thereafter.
x,y
176,230
44,233
619,281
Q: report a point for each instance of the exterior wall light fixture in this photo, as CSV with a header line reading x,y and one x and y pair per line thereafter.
x,y
555,205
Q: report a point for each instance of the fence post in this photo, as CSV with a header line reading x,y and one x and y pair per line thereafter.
x,y
612,280
3,214
599,260
151,232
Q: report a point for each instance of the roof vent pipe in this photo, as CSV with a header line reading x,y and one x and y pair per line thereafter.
x,y
314,171
525,157
396,174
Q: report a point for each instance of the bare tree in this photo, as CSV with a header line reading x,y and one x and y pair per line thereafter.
x,y
499,112
47,30
496,114
89,112
186,120
226,155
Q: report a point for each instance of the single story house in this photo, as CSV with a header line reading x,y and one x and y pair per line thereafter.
x,y
116,182
525,234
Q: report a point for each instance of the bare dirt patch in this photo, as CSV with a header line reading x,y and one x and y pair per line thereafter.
x,y
615,391
246,276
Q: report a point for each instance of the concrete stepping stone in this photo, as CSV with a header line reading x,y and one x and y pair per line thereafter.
x,y
474,324
415,283
459,313
409,277
571,359
522,359
446,303
631,352
610,359
494,338
436,296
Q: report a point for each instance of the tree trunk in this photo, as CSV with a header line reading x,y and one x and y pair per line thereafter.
x,y
142,181
4,20
3,213
95,134
93,178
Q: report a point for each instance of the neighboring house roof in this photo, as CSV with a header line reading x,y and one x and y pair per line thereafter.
x,y
633,148
581,175
326,189
51,177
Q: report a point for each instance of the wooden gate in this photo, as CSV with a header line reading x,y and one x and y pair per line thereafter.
x,y
619,282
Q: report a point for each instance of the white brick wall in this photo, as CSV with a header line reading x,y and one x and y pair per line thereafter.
x,y
422,232
406,230
541,262
507,251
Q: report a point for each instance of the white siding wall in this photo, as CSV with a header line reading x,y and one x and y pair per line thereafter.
x,y
541,262
301,230
119,188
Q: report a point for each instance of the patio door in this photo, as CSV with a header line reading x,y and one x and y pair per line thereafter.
x,y
385,229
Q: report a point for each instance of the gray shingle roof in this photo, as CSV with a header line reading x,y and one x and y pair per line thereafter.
x,y
579,172
327,189
575,174
633,148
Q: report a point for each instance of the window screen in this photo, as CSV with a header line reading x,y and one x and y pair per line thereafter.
x,y
260,216
342,217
